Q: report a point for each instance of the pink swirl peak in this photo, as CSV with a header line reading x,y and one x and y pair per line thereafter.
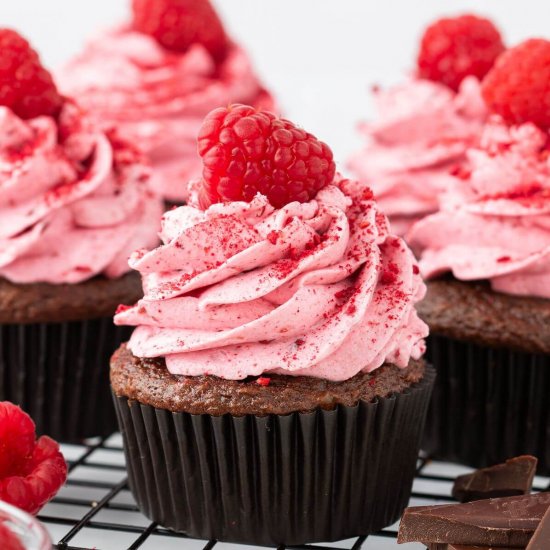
x,y
319,289
157,98
495,222
73,202
420,136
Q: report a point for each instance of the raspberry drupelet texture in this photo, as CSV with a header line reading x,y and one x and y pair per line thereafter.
x,y
177,24
454,48
246,151
31,472
518,86
26,87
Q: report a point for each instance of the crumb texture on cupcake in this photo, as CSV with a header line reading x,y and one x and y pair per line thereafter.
x,y
470,311
149,382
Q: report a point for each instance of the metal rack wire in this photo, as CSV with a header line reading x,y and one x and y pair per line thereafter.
x,y
96,511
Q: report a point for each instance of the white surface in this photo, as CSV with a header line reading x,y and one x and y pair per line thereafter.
x,y
319,56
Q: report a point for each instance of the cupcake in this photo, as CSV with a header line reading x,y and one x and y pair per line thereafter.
x,y
273,390
74,203
156,78
487,256
424,125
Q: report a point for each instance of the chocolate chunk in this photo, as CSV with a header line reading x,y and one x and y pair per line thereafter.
x,y
541,538
508,521
513,478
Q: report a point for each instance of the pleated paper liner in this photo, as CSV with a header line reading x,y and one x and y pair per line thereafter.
x,y
59,374
488,404
303,477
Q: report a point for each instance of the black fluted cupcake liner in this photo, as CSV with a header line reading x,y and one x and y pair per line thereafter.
x,y
303,477
59,374
488,404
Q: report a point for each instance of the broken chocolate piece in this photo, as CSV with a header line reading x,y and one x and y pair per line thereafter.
x,y
508,521
513,478
541,539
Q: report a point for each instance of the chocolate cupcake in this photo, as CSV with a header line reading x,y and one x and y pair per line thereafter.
x,y
487,255
73,205
273,390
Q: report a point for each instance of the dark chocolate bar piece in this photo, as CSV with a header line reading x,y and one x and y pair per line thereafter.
x,y
513,478
541,539
508,521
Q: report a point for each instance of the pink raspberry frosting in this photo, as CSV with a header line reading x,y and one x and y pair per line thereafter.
x,y
318,289
73,203
495,222
420,136
157,99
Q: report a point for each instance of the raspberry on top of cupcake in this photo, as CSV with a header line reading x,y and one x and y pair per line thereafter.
x,y
31,470
157,76
74,201
280,269
495,219
424,125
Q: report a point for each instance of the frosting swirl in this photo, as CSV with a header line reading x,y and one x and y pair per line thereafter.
x,y
420,136
318,289
495,222
73,202
157,98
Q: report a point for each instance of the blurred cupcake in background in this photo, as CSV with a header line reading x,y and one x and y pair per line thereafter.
x,y
74,203
424,125
487,256
278,335
156,77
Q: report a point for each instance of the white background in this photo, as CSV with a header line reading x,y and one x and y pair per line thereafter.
x,y
319,56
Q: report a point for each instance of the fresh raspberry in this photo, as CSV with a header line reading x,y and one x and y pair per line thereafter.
x,y
26,87
177,24
454,48
518,86
31,471
246,151
9,540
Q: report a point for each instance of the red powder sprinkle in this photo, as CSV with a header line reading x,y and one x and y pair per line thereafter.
x,y
273,236
503,259
300,342
345,294
367,195
522,193
460,172
122,308
263,381
389,276
416,270
82,269
351,309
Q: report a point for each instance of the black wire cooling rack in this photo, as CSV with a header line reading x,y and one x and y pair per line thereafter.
x,y
95,509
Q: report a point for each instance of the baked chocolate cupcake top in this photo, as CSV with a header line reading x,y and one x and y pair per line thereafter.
x,y
73,201
495,219
317,286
